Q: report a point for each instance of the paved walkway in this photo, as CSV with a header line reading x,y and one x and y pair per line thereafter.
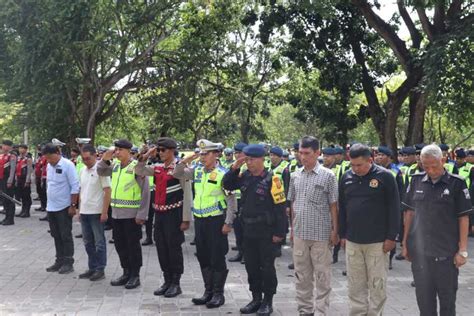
x,y
26,249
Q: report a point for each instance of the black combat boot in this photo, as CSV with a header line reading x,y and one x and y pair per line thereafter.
x,y
206,297
174,289
254,305
218,298
122,280
164,287
134,280
266,308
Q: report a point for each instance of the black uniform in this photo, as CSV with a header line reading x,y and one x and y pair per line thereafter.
x,y
261,219
433,238
23,184
7,185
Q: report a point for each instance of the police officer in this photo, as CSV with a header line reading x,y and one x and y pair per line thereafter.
x,y
130,202
172,205
345,165
24,168
295,163
238,229
211,204
449,164
228,158
40,187
436,226
384,158
8,161
263,217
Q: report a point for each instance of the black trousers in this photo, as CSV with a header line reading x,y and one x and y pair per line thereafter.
x,y
60,225
127,234
23,194
149,221
435,279
41,190
211,244
8,205
259,256
168,238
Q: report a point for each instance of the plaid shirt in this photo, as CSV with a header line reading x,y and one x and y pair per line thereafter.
x,y
312,192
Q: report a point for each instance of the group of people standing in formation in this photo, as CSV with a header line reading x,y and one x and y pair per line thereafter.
x,y
356,198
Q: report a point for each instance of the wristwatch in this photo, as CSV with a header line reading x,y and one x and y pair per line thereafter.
x,y
74,205
463,254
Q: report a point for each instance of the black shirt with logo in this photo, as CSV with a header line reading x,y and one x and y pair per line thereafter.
x,y
434,231
369,206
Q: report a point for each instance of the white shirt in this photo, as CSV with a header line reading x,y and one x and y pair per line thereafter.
x,y
92,191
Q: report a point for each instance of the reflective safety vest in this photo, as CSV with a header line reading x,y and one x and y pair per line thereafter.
x,y
413,169
449,167
151,183
79,165
345,165
337,171
209,197
293,165
227,164
465,172
126,193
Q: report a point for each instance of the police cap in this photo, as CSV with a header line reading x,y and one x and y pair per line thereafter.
x,y
410,150
167,142
444,147
254,150
276,151
228,151
123,143
207,146
329,151
419,147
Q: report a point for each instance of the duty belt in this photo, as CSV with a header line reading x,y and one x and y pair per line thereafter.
x,y
168,207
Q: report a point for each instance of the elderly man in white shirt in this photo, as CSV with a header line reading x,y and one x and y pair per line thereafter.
x,y
94,202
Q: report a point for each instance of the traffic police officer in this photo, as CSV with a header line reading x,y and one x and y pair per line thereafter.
x,y
172,206
211,204
263,217
130,202
436,226
7,180
228,158
24,168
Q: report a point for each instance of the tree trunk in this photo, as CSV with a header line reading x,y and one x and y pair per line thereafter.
x,y
416,119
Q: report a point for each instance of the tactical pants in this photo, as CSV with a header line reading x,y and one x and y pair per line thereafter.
x,y
259,256
23,194
211,243
168,238
127,235
435,278
8,205
367,268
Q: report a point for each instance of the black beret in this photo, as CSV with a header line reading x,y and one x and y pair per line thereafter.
x,y
123,143
7,142
254,150
167,142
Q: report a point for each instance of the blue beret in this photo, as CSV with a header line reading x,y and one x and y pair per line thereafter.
x,y
419,147
408,150
296,146
254,150
277,151
239,146
385,150
460,153
444,147
329,151
339,151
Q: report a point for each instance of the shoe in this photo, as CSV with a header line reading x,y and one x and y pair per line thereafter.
x,y
192,243
44,218
66,268
218,298
39,209
235,248
20,214
26,214
55,267
108,227
147,242
78,236
86,275
8,222
344,273
254,304
164,287
334,260
236,258
291,266
174,288
390,266
133,282
242,261
122,280
97,275
412,284
266,308
206,297
399,257
111,241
